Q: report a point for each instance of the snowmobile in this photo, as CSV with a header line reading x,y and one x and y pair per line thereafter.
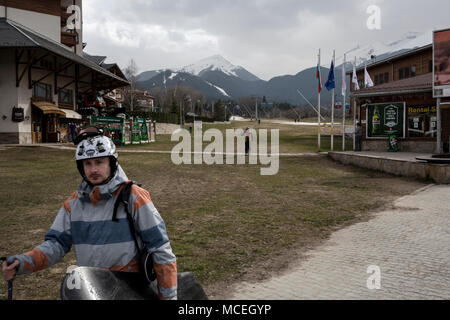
x,y
87,283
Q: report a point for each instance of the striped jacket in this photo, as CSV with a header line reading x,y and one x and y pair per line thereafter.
x,y
85,221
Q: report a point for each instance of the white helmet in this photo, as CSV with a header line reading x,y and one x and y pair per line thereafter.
x,y
96,146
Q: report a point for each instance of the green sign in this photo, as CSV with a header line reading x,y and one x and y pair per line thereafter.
x,y
385,119
136,134
113,127
95,119
144,131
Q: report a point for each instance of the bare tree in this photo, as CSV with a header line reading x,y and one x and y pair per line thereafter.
x,y
131,73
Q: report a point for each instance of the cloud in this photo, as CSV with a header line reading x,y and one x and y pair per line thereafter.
x,y
267,37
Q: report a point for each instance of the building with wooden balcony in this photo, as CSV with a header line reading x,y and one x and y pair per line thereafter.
x,y
401,101
44,74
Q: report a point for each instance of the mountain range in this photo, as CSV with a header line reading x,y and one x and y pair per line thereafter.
x,y
217,78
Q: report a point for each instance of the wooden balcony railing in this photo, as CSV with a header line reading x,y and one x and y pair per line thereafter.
x,y
69,39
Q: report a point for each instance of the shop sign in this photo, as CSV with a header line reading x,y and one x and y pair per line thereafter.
x,y
17,114
422,109
441,67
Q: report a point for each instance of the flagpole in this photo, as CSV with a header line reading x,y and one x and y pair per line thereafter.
x,y
354,121
318,101
332,107
343,114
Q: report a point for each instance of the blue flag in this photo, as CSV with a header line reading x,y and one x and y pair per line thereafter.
x,y
330,85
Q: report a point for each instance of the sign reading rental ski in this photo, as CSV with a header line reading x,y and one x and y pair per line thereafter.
x,y
385,119
441,63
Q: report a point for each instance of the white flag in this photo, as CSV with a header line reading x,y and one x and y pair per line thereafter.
x,y
355,78
344,82
367,81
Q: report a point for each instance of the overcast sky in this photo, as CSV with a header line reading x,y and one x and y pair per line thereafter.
x,y
267,37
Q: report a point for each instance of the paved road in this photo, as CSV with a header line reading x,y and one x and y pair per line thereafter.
x,y
410,244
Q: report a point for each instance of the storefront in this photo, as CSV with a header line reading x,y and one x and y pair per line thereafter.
x,y
405,108
45,122
71,118
121,131
50,84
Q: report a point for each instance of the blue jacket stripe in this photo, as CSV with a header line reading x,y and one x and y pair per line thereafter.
x,y
100,232
63,238
155,237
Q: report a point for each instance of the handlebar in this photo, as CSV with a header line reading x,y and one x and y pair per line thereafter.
x,y
10,282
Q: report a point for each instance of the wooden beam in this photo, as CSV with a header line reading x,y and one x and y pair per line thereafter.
x,y
86,91
29,75
29,63
56,71
77,80
17,57
74,81
55,78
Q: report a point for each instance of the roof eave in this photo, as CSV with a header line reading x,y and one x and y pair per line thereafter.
x,y
386,93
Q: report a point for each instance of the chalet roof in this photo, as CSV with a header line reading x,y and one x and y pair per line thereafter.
x,y
421,83
114,68
387,58
96,59
14,35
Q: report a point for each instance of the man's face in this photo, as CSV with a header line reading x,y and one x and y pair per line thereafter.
x,y
97,170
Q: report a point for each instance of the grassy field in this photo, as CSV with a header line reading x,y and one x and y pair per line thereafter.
x,y
293,138
226,223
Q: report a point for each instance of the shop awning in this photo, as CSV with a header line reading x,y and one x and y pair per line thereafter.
x,y
48,108
72,114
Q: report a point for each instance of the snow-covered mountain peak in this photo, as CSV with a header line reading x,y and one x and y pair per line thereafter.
x,y
216,62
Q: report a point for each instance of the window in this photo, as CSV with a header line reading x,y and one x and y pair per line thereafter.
x,y
377,80
361,83
43,91
406,72
386,77
413,71
400,74
66,96
422,121
430,66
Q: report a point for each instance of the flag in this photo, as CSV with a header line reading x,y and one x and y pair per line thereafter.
x,y
330,85
319,78
344,82
367,80
355,78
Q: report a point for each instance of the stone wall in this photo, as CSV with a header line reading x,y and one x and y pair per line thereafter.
x,y
404,145
439,173
9,138
15,138
166,128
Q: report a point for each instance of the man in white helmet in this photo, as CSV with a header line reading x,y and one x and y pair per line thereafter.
x,y
86,222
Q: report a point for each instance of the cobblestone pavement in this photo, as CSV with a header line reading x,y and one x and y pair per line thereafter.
x,y
410,244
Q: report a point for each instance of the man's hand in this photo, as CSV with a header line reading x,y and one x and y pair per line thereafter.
x,y
10,271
